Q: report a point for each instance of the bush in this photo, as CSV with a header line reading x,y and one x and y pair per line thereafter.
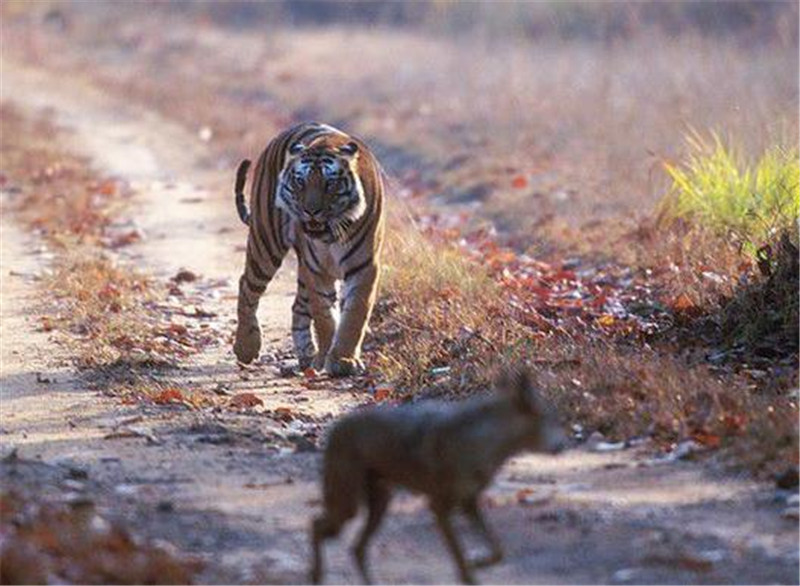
x,y
717,188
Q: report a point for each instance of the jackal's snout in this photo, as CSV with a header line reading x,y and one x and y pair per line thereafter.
x,y
556,439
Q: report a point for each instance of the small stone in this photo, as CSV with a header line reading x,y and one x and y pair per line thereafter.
x,y
78,500
685,450
165,507
624,575
788,479
77,473
302,443
73,484
184,276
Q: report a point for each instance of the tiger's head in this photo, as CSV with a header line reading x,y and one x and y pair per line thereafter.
x,y
319,187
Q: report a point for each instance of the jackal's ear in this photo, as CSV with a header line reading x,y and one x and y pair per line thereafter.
x,y
518,383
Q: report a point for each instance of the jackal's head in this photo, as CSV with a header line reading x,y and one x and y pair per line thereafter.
x,y
538,423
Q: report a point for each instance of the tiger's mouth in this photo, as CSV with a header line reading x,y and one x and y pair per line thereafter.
x,y
315,228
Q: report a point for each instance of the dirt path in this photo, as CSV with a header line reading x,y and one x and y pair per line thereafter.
x,y
240,489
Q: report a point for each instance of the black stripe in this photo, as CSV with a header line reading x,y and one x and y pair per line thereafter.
x,y
355,247
280,231
259,289
258,220
329,296
241,179
300,329
301,313
264,237
255,266
355,270
313,254
314,271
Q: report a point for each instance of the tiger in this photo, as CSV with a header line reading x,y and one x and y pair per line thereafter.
x,y
319,191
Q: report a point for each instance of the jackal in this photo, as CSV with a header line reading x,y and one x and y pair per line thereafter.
x,y
447,451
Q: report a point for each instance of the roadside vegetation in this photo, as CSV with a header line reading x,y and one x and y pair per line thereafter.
x,y
109,314
534,217
752,208
86,293
615,361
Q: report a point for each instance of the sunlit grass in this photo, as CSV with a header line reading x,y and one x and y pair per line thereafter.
x,y
716,187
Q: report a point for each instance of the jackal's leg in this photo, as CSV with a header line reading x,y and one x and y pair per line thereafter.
x,y
442,514
343,482
473,513
259,270
378,497
322,528
358,298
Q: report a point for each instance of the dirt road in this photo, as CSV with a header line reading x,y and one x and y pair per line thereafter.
x,y
240,489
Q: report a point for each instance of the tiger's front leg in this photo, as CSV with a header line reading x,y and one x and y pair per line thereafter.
x,y
325,314
314,304
359,293
259,271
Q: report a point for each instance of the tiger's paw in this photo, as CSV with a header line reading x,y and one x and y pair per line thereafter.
x,y
318,363
306,362
248,343
343,366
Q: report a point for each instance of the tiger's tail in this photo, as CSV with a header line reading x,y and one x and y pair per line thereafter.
x,y
241,179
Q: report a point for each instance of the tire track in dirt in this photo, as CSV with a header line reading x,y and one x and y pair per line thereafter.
x,y
186,226
596,517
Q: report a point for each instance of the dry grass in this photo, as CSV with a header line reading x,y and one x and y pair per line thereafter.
x,y
562,116
443,327
547,137
435,304
585,124
103,306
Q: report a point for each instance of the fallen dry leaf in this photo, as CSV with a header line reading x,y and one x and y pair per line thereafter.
x,y
683,303
383,393
168,396
245,401
606,320
519,182
107,188
284,413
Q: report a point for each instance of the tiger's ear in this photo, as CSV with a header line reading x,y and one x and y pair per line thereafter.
x,y
349,149
297,148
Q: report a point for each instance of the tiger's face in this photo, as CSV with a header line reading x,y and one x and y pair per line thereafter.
x,y
319,187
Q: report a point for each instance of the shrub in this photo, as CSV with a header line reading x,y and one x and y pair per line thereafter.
x,y
717,188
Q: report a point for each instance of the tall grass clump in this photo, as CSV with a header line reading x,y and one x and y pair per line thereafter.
x,y
751,202
753,205
435,312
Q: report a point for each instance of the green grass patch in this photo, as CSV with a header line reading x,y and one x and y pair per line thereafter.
x,y
751,201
